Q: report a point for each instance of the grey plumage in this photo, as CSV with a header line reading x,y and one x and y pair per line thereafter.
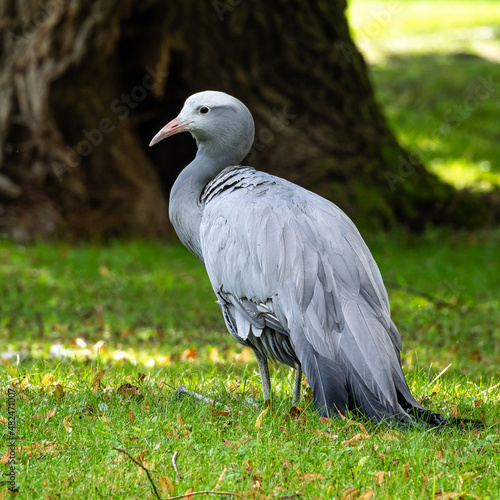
x,y
293,276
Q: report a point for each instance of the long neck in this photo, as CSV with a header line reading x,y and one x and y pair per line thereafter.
x,y
185,209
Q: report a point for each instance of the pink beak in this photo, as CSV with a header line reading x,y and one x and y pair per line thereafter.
x,y
171,128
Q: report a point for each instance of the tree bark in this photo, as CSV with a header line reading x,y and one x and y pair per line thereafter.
x,y
85,85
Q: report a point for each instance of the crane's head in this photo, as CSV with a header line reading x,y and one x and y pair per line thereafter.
x,y
220,123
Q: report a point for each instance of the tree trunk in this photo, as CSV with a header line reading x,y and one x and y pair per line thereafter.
x,y
85,85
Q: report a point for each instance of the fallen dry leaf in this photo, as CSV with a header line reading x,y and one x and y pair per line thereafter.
x,y
219,413
441,495
47,379
350,494
190,490
407,469
356,439
295,412
96,380
23,397
221,478
3,420
163,484
129,390
189,354
6,456
381,475
166,485
59,392
258,422
131,417
309,476
47,415
66,423
440,453
366,495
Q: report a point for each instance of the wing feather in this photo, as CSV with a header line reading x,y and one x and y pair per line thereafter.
x,y
303,258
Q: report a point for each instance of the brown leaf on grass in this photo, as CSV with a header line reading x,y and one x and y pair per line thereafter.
x,y
309,477
295,412
163,485
380,454
441,495
47,379
131,417
6,456
454,412
350,494
468,476
96,380
47,415
366,495
141,376
356,439
23,397
221,478
3,420
66,423
40,449
381,475
185,429
190,490
440,453
258,422
248,466
407,469
59,392
166,485
219,413
324,420
287,465
129,390
189,354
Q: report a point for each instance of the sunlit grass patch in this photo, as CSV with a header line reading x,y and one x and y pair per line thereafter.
x,y
436,74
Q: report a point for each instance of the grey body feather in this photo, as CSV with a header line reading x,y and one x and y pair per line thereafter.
x,y
292,274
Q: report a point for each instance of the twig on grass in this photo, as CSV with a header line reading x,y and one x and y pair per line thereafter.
x,y
142,467
192,494
174,463
182,391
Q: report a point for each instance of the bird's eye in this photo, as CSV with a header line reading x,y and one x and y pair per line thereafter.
x,y
203,110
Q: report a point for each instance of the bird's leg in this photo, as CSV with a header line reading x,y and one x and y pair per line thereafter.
x,y
296,384
264,375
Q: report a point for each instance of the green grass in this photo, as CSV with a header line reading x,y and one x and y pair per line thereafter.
x,y
429,62
154,309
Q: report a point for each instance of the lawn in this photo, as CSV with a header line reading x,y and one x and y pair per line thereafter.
x,y
142,316
95,338
436,72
